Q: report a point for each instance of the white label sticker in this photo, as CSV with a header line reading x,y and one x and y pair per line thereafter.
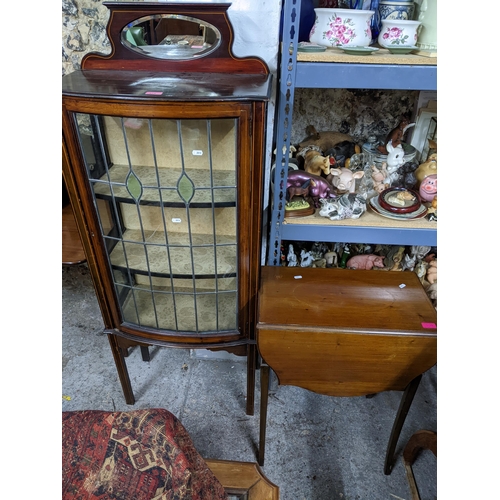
x,y
197,152
176,220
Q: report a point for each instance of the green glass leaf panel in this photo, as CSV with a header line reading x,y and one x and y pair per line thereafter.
x,y
185,188
134,186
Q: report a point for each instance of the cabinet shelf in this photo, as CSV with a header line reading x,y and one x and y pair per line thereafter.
x,y
145,252
159,186
161,308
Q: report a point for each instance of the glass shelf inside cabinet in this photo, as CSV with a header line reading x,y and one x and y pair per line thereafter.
x,y
165,193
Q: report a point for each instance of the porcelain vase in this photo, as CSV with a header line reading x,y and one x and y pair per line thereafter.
x,y
342,27
398,33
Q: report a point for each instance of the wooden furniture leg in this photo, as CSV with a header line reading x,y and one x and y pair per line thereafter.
x,y
251,366
122,369
404,407
145,353
264,397
421,440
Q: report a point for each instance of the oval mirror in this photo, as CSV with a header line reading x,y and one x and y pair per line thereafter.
x,y
171,36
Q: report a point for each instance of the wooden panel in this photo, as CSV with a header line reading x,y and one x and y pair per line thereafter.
x,y
345,364
345,332
244,477
72,249
345,300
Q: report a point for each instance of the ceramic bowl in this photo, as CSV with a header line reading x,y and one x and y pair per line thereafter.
x,y
396,10
342,27
398,33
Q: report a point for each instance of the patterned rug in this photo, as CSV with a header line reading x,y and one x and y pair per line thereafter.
x,y
136,455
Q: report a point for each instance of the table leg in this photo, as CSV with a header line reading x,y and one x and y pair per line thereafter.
x,y
251,364
264,396
404,407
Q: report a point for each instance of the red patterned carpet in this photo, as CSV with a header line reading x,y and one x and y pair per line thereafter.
x,y
136,455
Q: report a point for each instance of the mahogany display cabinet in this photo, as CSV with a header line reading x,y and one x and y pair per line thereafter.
x,y
163,153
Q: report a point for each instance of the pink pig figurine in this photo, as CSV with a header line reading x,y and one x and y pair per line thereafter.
x,y
428,188
365,261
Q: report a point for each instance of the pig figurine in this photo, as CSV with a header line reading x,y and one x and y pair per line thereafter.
x,y
428,188
365,261
318,187
344,179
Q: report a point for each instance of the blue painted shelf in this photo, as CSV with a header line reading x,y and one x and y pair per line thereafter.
x,y
334,69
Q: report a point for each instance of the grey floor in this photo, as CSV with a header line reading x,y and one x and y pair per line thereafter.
x,y
318,447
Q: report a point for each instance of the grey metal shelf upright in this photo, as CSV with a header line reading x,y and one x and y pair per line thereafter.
x,y
301,74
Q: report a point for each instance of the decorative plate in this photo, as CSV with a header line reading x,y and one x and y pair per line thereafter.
x,y
418,214
399,200
359,51
401,50
310,47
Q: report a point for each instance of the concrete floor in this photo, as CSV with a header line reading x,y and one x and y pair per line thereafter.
x,y
318,447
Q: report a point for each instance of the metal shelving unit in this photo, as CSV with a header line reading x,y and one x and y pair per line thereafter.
x,y
398,75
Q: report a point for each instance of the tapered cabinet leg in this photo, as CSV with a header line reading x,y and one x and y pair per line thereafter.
x,y
251,364
145,353
264,397
404,407
122,370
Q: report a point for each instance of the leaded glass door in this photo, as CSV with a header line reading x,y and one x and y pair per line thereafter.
x,y
166,196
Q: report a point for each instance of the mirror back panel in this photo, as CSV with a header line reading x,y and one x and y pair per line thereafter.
x,y
173,36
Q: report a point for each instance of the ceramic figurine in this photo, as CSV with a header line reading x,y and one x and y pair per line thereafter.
x,y
397,258
320,263
346,253
306,259
432,211
428,167
431,275
318,249
348,206
428,188
421,270
431,291
318,188
409,262
302,190
365,261
419,251
379,178
344,179
291,257
405,175
395,136
331,258
395,157
326,140
342,152
315,163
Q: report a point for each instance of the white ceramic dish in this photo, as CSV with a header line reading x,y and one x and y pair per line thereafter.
x,y
359,51
402,50
418,214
